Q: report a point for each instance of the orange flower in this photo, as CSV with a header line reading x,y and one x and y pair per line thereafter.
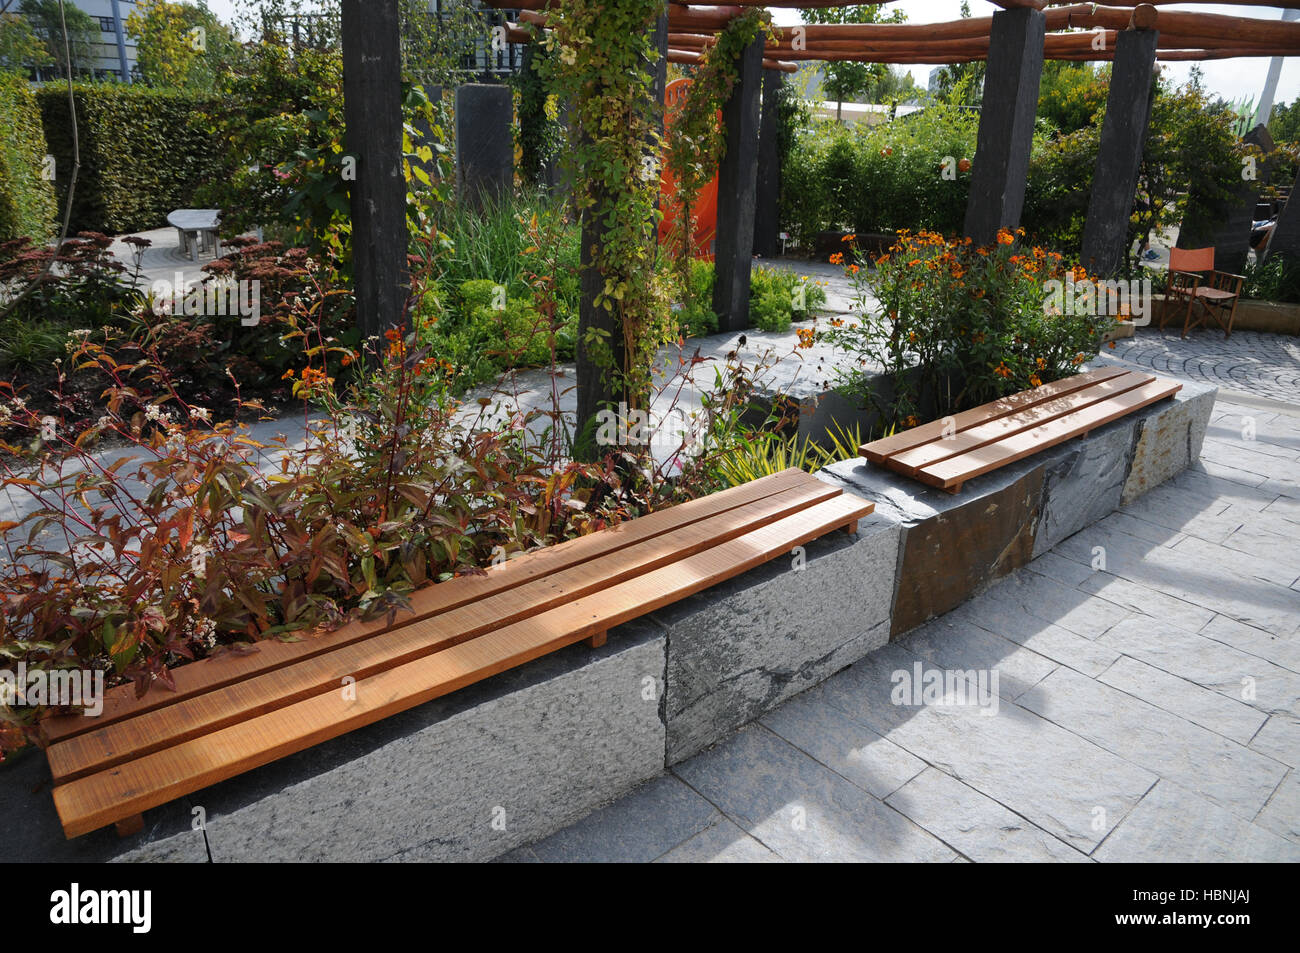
x,y
1002,370
853,268
1034,379
848,238
287,374
1042,364
837,258
1005,237
806,337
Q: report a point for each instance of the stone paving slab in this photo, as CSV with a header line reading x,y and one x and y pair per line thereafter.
x,y
977,826
847,747
723,843
1220,770
1200,706
1173,825
648,823
800,809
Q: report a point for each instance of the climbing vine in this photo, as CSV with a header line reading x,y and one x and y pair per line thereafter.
x,y
697,140
601,61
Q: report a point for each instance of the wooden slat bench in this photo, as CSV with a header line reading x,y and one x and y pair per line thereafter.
x,y
946,453
232,713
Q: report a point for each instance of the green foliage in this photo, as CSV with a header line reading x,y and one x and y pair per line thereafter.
x,y
886,177
180,45
144,152
955,326
83,33
846,80
27,207
599,67
1275,279
1284,124
778,297
538,133
280,129
1191,167
1070,95
21,50
696,317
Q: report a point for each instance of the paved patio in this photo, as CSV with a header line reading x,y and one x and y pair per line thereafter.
x,y
1147,711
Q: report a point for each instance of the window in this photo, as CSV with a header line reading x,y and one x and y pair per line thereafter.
x,y
107,25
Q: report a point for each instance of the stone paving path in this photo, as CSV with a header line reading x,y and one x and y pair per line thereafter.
x,y
1254,362
1146,711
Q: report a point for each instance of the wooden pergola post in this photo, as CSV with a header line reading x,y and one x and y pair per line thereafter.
x,y
1015,65
1119,155
372,109
737,182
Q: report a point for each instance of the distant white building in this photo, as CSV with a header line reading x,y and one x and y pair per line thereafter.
x,y
113,48
115,53
933,85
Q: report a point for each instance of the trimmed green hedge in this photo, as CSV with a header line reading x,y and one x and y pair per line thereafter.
x,y
143,152
27,206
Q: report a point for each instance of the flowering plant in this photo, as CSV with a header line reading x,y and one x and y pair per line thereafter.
x,y
954,325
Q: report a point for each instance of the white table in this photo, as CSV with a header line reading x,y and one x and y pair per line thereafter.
x,y
196,228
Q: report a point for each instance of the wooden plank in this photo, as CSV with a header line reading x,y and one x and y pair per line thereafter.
x,y
909,461
92,802
956,470
255,695
878,450
120,702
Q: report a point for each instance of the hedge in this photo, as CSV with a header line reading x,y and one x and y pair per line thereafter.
x,y
143,152
27,207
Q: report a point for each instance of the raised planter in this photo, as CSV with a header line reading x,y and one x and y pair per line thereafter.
x,y
514,758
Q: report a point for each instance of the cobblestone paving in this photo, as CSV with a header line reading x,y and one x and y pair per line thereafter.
x,y
1149,710
1252,362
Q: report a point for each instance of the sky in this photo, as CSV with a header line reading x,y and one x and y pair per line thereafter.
x,y
1234,80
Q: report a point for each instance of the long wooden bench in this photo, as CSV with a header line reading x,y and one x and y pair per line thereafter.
x,y
946,453
231,713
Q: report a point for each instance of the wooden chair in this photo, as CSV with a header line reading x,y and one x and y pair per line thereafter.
x,y
1192,278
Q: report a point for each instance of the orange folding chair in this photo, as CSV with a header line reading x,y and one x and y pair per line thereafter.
x,y
1192,278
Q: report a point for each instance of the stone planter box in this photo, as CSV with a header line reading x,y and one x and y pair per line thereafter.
x,y
1273,317
953,546
514,758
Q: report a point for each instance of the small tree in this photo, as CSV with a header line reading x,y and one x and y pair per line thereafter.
x,y
180,45
847,81
21,50
47,23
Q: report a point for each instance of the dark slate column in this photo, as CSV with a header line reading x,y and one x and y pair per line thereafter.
x,y
1015,65
372,108
767,223
737,185
1285,239
1227,228
1119,155
485,144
